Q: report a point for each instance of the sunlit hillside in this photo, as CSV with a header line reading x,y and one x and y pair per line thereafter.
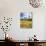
x,y
26,23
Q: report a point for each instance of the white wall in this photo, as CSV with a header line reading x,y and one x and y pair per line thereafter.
x,y
12,8
45,28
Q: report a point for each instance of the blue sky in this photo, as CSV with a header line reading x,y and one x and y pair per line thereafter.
x,y
26,15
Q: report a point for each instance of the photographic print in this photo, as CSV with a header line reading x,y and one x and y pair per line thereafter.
x,y
26,20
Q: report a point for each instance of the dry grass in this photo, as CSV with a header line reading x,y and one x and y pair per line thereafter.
x,y
26,24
